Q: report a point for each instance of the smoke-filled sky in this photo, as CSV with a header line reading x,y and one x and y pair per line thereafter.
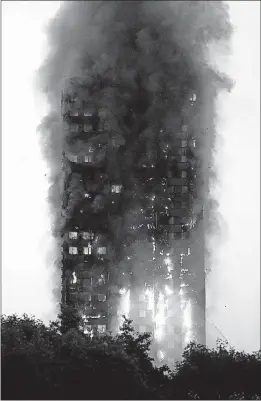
x,y
233,289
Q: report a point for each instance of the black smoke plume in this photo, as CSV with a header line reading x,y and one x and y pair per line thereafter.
x,y
141,61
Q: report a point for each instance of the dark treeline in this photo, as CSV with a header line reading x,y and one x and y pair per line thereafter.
x,y
59,361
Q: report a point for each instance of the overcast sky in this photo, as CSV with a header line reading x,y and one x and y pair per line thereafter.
x,y
233,289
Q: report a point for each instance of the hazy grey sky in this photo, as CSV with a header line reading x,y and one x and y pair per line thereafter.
x,y
233,288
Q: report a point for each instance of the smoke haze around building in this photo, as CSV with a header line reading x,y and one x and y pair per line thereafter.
x,y
160,43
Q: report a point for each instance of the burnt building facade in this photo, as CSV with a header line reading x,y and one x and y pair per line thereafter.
x,y
133,237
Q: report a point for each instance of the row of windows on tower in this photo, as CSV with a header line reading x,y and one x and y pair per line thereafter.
x,y
179,205
101,328
86,235
87,250
177,189
97,297
183,159
185,143
88,127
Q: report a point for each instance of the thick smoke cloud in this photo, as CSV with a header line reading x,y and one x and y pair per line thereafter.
x,y
141,58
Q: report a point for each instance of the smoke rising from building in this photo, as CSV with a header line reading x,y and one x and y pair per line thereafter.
x,y
146,58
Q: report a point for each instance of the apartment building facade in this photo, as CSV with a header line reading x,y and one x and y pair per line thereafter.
x,y
133,241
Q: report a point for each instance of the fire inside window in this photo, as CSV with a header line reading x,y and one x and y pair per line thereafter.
x,y
193,97
142,313
184,174
116,189
88,158
101,328
88,329
73,250
87,235
101,279
73,235
101,297
87,250
102,250
73,158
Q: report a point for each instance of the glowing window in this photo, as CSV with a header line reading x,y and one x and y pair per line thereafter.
x,y
87,127
184,189
87,235
142,297
73,235
74,278
184,143
101,328
88,329
88,158
116,189
193,97
142,329
193,143
184,174
73,158
102,250
183,159
101,279
101,297
87,250
73,250
142,313
87,113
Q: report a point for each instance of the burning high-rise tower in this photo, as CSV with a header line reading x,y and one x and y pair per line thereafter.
x,y
135,144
